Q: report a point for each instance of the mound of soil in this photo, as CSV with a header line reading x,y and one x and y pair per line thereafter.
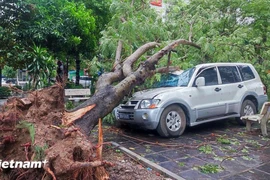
x,y
31,129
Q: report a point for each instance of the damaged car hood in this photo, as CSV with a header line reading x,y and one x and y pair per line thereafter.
x,y
151,93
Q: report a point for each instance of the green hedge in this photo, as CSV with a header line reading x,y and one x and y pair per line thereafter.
x,y
4,92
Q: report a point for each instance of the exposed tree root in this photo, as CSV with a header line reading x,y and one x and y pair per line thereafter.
x,y
60,136
69,152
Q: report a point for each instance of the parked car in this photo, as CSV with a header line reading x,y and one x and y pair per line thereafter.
x,y
8,81
85,81
204,93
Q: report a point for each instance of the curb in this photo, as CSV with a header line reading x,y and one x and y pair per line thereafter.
x,y
147,162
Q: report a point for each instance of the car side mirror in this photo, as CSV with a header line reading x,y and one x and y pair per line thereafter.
x,y
200,81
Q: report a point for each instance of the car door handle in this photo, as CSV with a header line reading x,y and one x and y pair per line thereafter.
x,y
217,89
240,86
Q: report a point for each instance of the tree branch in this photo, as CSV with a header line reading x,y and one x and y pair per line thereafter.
x,y
109,96
118,55
156,57
127,65
190,31
108,78
167,69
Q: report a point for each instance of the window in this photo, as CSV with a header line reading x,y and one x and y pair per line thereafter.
x,y
185,77
210,76
246,73
229,74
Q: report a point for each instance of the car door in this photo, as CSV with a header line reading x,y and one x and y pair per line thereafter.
x,y
232,88
206,100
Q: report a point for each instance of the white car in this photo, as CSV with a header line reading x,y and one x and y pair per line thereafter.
x,y
205,93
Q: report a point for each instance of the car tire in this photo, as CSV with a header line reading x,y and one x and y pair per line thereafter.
x,y
172,122
248,108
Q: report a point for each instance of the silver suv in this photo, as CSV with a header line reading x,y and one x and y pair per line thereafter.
x,y
204,93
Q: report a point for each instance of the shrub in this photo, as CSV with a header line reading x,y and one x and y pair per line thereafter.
x,y
109,118
18,87
72,85
69,105
4,92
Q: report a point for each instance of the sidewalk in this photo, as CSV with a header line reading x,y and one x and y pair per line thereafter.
x,y
2,101
217,150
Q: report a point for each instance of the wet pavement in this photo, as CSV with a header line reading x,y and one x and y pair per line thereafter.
x,y
217,150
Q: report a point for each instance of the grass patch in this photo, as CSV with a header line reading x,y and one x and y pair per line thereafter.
x,y
30,127
181,164
69,105
210,168
40,152
223,140
207,149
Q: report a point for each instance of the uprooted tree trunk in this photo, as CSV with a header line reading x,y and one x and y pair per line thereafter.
x,y
38,127
108,96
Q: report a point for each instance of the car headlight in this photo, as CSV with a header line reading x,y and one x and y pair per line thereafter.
x,y
149,103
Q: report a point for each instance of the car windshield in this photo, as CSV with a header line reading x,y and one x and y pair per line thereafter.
x,y
175,79
184,77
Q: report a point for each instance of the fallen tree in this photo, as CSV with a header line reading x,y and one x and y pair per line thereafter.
x,y
126,79
40,125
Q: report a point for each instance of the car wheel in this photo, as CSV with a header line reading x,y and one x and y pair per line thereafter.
x,y
247,108
172,122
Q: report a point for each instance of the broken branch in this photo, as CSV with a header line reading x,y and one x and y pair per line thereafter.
x,y
127,65
70,117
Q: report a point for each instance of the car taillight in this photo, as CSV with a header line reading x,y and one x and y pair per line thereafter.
x,y
264,90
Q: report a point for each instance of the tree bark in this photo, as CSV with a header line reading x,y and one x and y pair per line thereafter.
x,y
108,96
78,68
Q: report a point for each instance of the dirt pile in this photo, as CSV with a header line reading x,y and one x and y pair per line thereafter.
x,y
31,129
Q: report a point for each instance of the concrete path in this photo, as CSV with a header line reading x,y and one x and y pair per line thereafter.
x,y
2,101
217,150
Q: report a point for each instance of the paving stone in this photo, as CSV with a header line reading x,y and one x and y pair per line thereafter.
x,y
157,158
233,166
219,175
184,159
264,142
217,151
128,144
229,150
173,166
194,175
174,153
192,151
256,175
225,132
156,148
266,151
183,140
235,177
210,158
249,160
191,162
114,137
141,150
265,168
263,158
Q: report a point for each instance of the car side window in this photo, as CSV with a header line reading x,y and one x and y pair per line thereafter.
x,y
210,76
229,74
246,73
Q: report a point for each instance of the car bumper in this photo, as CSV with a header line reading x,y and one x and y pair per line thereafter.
x,y
145,118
